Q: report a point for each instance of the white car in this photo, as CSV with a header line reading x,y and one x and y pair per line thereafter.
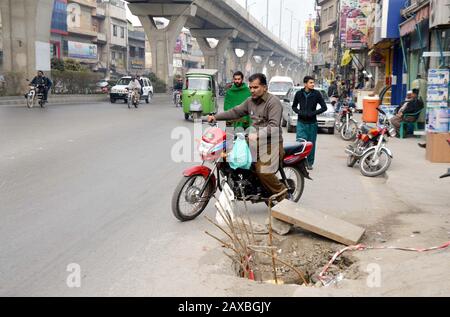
x,y
325,120
280,85
119,91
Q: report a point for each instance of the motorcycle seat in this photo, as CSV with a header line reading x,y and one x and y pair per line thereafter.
x,y
365,129
293,148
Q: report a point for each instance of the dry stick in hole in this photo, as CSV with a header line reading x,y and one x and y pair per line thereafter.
x,y
271,199
225,244
229,246
236,241
237,231
300,273
235,260
230,225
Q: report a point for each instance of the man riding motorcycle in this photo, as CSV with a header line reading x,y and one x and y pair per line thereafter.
x,y
265,111
177,89
43,83
136,86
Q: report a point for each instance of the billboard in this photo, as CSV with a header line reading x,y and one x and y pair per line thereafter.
x,y
82,50
59,17
354,22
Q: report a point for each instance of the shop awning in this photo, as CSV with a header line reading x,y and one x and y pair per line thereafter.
x,y
409,26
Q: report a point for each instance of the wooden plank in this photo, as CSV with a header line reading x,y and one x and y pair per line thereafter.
x,y
318,222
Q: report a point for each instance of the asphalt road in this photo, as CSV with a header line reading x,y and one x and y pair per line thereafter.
x,y
90,185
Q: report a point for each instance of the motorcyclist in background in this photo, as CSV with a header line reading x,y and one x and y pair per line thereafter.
x,y
136,86
43,83
177,88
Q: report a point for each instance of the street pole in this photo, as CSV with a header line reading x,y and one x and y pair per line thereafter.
x,y
299,31
246,4
292,21
267,15
281,17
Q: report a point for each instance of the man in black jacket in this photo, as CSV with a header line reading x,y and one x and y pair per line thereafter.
x,y
42,82
410,107
305,105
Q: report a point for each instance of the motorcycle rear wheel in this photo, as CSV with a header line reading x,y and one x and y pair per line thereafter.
x,y
297,181
186,195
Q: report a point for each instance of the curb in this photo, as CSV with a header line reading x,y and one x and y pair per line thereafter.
x,y
16,101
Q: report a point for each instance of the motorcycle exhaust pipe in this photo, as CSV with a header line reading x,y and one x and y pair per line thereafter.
x,y
350,152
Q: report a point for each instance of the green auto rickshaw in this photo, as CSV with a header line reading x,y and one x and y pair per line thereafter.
x,y
200,93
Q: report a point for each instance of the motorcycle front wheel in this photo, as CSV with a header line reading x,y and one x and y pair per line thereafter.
x,y
30,101
186,201
372,166
349,133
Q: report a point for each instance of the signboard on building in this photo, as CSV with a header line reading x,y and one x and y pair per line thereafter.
x,y
74,15
82,50
318,59
312,36
137,64
354,22
59,17
391,18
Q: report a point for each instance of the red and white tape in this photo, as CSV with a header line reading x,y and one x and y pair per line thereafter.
x,y
362,247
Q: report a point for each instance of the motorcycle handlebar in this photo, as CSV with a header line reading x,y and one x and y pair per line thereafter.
x,y
381,111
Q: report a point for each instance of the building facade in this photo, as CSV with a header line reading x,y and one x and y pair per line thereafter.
x,y
136,50
326,59
93,32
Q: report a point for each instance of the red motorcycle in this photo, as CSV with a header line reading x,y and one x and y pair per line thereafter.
x,y
370,148
200,183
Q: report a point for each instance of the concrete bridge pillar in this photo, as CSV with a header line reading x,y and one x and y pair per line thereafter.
x,y
231,63
277,69
265,58
162,41
288,68
26,37
215,56
246,62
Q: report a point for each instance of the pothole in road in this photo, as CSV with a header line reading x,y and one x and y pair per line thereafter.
x,y
304,252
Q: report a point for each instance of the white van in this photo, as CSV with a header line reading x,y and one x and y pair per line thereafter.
x,y
279,86
119,92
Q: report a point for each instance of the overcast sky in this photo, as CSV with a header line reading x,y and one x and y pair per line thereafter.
x,y
301,9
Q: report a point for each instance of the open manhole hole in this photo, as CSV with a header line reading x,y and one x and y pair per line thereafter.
x,y
303,252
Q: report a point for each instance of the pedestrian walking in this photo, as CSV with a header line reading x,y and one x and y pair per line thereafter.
x,y
305,105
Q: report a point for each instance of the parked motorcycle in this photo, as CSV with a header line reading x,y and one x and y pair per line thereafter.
x,y
370,148
133,98
200,183
345,124
35,93
448,172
